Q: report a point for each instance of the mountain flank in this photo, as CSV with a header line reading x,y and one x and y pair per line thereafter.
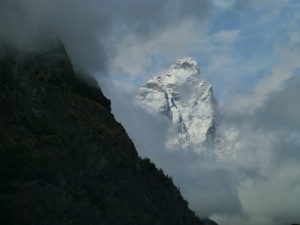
x,y
64,159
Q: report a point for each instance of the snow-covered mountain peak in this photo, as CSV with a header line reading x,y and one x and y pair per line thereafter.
x,y
188,102
181,70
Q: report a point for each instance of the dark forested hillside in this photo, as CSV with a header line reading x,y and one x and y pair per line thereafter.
x,y
64,159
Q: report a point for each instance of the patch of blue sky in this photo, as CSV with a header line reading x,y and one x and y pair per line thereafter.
x,y
259,34
233,19
296,71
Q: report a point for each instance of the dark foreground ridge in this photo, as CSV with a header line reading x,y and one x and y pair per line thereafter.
x,y
63,157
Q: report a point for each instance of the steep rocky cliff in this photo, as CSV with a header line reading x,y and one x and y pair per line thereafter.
x,y
63,157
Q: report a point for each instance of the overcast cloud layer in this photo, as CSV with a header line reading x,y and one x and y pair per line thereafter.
x,y
92,30
248,50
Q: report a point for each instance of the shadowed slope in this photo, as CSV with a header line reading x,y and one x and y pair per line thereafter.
x,y
63,157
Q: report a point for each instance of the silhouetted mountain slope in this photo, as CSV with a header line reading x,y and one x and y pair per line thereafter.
x,y
63,157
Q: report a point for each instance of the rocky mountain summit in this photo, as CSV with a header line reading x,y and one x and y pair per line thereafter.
x,y
64,159
187,100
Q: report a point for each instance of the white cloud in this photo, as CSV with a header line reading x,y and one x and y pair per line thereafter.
x,y
271,200
132,58
135,55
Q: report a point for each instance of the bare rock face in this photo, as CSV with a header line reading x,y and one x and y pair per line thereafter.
x,y
64,159
183,96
